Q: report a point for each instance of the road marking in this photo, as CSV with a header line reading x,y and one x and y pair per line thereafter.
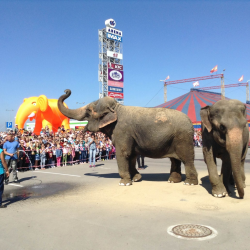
x,y
58,174
15,185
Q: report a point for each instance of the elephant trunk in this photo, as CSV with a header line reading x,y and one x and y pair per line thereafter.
x,y
235,147
77,114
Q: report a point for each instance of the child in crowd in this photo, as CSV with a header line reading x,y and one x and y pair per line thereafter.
x,y
54,156
65,154
33,155
50,157
43,157
58,155
69,156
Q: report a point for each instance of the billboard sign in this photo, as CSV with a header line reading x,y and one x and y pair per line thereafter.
x,y
114,54
114,37
115,84
113,31
115,75
115,89
116,95
115,66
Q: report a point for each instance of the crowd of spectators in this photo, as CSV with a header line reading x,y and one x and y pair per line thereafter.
x,y
197,138
65,147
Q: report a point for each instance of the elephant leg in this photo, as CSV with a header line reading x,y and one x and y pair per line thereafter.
x,y
123,160
65,123
46,123
186,155
218,189
226,172
135,175
243,173
175,172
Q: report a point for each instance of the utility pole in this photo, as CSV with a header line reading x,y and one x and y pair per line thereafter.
x,y
165,88
247,92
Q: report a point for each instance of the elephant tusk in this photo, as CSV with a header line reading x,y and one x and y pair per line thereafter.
x,y
32,114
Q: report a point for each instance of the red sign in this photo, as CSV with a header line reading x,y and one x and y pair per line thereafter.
x,y
115,84
116,95
115,66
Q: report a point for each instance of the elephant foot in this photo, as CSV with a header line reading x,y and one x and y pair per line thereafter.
x,y
137,177
219,191
125,182
189,181
174,177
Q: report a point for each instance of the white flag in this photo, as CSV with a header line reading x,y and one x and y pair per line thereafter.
x,y
167,78
196,84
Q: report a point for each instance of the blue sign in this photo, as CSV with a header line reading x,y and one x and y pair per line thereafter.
x,y
8,124
115,89
114,37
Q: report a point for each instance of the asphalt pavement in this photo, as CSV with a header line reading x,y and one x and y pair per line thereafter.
x,y
77,207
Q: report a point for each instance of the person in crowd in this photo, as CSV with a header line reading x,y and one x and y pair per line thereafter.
x,y
4,173
83,154
37,156
58,155
10,149
77,150
42,157
92,150
50,157
21,156
65,154
16,130
33,155
73,154
140,164
54,160
28,162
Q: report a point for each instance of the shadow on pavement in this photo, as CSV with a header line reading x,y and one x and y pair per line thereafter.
x,y
145,177
205,183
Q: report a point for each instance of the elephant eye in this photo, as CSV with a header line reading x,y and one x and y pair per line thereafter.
x,y
34,103
222,128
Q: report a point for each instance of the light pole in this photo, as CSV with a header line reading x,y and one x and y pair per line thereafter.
x,y
165,89
247,92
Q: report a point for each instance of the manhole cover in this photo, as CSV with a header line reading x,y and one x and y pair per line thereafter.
x,y
191,231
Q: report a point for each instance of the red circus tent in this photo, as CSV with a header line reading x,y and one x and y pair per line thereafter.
x,y
192,102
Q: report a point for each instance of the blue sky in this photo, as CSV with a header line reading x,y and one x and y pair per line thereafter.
x,y
49,46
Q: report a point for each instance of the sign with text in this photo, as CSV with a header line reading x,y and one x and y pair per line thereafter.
x,y
115,89
114,37
116,95
113,31
115,75
114,54
8,124
115,66
115,84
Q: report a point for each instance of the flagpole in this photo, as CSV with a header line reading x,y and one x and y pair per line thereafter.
x,y
222,87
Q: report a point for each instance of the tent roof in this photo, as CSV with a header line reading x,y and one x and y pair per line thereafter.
x,y
192,102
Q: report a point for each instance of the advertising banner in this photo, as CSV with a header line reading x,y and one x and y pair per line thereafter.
x,y
115,89
115,66
114,54
115,84
113,31
115,75
114,37
116,95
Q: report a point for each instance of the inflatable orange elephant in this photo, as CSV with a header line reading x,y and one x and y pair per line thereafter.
x,y
44,111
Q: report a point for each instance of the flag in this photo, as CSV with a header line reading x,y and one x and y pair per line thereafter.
x,y
214,69
241,78
196,84
167,78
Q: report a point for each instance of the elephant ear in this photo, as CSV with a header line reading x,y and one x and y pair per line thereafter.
x,y
42,101
108,119
204,113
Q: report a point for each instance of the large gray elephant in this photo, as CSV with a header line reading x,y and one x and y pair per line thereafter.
x,y
225,135
151,132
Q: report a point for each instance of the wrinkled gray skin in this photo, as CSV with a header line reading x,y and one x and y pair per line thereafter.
x,y
225,135
151,132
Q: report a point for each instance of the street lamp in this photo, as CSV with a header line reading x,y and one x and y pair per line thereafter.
x,y
165,88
